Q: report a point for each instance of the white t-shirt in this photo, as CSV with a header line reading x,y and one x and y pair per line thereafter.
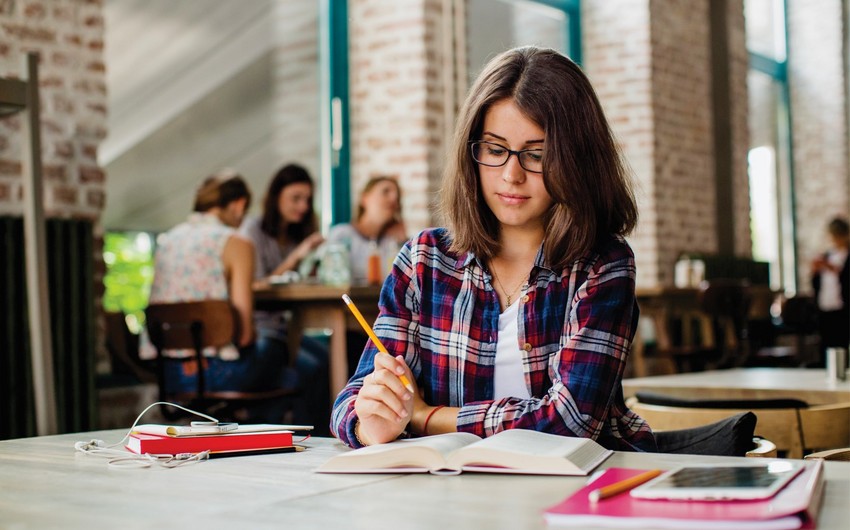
x,y
509,377
359,250
829,295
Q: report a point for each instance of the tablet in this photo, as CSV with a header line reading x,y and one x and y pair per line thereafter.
x,y
720,482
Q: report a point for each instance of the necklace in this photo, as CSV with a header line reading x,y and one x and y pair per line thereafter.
x,y
508,295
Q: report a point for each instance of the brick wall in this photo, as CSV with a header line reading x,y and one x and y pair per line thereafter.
x,y
68,34
616,50
817,80
396,88
739,125
650,62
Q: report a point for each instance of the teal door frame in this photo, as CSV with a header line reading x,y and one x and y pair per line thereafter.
x,y
336,151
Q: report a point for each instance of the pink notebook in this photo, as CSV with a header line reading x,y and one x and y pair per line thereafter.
x,y
795,506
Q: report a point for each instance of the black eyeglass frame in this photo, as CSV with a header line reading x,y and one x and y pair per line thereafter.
x,y
473,143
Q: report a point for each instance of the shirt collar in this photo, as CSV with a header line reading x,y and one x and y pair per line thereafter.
x,y
540,262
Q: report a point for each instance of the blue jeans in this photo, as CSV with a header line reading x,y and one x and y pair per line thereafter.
x,y
263,365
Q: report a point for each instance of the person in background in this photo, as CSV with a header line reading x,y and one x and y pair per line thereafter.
x,y
521,313
373,239
830,273
204,258
377,229
287,230
284,234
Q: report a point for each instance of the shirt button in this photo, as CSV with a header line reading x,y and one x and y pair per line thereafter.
x,y
525,299
527,347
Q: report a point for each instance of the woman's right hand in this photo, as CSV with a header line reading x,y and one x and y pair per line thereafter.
x,y
308,245
384,406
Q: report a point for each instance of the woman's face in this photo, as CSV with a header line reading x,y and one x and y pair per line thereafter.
x,y
294,201
518,198
381,201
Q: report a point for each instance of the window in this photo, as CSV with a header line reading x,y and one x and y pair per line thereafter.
x,y
771,179
494,26
129,273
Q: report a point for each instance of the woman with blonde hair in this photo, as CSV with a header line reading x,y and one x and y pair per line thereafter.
x,y
377,229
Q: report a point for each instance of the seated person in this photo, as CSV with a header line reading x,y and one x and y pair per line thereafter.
x,y
204,258
285,234
378,227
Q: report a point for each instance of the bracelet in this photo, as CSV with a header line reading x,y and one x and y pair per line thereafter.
x,y
357,433
428,418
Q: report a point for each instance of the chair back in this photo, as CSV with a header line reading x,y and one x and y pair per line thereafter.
x,y
826,426
191,325
727,303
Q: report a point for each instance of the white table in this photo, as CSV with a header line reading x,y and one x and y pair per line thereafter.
x,y
44,483
807,384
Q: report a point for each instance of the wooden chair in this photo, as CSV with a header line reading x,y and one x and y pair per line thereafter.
x,y
838,455
196,326
798,315
715,333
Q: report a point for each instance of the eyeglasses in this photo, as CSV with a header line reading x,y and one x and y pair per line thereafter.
x,y
495,155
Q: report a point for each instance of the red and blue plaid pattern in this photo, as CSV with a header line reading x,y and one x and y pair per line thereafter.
x,y
441,312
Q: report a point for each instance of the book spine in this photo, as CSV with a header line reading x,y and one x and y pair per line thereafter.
x,y
171,445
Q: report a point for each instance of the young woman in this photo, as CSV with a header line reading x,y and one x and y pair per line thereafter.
x,y
204,258
378,228
520,314
830,274
286,233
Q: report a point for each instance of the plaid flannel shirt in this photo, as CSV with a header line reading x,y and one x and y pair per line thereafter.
x,y
441,312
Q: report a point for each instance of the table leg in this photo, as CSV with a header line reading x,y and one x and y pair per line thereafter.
x,y
338,354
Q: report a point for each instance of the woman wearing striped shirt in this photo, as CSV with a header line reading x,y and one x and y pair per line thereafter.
x,y
521,312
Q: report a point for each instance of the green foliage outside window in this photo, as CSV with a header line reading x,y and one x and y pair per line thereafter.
x,y
129,273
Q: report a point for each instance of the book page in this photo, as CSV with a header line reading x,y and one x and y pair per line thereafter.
x,y
418,454
526,451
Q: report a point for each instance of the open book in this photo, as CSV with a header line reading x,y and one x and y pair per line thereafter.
x,y
511,451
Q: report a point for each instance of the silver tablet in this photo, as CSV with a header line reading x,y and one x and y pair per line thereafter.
x,y
720,482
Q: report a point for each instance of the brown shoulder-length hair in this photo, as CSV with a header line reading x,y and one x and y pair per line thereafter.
x,y
272,222
582,166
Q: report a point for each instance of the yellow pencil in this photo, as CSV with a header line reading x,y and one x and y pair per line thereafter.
x,y
368,329
623,485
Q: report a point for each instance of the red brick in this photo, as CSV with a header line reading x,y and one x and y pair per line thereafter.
x,y
27,35
63,149
91,174
10,167
35,11
65,195
96,199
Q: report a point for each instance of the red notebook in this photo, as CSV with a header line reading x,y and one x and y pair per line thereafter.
x,y
170,445
795,506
